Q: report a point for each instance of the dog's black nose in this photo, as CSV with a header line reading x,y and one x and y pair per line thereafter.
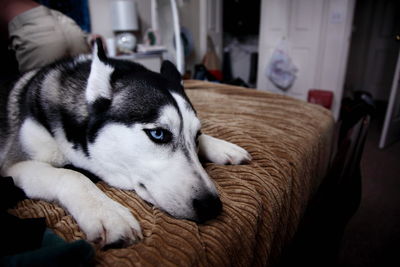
x,y
207,207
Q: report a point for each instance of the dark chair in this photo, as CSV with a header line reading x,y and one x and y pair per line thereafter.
x,y
344,178
320,232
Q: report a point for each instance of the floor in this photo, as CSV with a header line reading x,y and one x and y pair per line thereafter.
x,y
372,237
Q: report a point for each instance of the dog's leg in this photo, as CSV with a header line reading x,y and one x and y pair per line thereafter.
x,y
221,152
103,220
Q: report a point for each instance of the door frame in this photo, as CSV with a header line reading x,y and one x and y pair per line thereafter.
x,y
387,126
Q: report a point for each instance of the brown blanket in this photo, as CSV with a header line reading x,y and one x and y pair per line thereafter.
x,y
263,201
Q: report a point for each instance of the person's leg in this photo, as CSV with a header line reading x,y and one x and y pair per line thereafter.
x,y
41,36
35,39
75,37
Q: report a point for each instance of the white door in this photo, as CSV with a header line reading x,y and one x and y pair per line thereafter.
x,y
318,34
299,23
391,127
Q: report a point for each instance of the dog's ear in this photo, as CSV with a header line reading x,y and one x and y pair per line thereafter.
x,y
98,84
169,71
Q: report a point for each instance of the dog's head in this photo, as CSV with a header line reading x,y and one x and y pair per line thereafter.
x,y
143,136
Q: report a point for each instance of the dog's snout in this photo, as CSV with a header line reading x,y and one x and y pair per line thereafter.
x,y
207,207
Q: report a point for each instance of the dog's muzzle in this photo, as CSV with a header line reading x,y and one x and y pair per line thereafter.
x,y
207,207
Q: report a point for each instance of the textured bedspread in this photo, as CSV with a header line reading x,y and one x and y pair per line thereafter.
x,y
263,201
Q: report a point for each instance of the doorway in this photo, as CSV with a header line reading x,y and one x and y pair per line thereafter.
x,y
374,50
241,25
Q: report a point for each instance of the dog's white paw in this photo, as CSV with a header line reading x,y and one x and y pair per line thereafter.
x,y
221,152
107,222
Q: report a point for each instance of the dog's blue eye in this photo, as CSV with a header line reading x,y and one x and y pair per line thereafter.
x,y
159,135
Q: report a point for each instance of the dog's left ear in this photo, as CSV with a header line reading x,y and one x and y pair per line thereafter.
x,y
98,84
169,71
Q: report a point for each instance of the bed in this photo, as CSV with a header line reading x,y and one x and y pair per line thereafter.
x,y
263,201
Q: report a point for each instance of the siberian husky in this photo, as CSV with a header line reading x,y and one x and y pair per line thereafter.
x,y
133,128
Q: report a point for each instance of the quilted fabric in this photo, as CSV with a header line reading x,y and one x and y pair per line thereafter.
x,y
263,201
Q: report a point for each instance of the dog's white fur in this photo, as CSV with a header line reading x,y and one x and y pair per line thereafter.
x,y
124,157
101,218
99,80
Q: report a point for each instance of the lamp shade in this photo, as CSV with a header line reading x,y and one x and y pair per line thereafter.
x,y
124,16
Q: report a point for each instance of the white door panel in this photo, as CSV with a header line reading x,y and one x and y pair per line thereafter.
x,y
317,32
299,22
391,127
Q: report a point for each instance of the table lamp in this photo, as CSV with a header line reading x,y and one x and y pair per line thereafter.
x,y
124,23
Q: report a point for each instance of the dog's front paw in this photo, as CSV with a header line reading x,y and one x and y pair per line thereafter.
x,y
221,152
108,223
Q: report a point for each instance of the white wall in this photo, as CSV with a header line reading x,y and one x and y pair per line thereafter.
x,y
199,17
100,16
190,16
202,18
335,41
